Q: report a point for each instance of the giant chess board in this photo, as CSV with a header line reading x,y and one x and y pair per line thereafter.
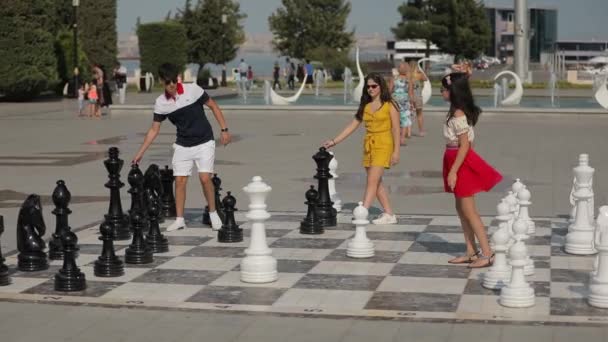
x,y
408,278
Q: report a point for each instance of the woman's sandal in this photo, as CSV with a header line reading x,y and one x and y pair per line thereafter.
x,y
487,261
464,259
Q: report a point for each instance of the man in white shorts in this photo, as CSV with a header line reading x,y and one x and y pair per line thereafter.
x,y
183,104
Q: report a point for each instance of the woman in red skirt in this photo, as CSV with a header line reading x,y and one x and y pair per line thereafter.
x,y
465,173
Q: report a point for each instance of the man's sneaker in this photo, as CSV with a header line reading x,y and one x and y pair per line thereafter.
x,y
179,223
385,219
216,222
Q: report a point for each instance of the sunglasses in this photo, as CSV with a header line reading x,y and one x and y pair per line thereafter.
x,y
174,81
372,86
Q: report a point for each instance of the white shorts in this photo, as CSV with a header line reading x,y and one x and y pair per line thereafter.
x,y
203,155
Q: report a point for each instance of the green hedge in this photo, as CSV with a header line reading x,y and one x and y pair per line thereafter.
x,y
97,31
27,58
161,43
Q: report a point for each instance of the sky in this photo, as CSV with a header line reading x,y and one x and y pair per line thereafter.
x,y
577,19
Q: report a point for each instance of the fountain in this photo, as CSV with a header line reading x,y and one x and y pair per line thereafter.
x,y
276,99
241,86
553,89
348,83
515,97
267,92
319,79
427,90
358,91
600,90
498,94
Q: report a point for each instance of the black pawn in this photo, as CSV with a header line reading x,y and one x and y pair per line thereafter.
x,y
230,231
69,278
311,224
168,200
157,242
108,264
115,216
61,199
325,210
153,181
217,188
30,230
138,251
4,278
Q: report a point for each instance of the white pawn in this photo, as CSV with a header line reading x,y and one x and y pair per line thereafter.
x,y
520,229
499,274
518,293
598,285
259,266
360,246
333,194
516,188
512,202
524,213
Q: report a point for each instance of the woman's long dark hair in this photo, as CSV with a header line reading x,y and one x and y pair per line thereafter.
x,y
385,95
461,96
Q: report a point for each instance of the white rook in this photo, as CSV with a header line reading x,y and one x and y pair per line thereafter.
x,y
580,233
360,246
259,266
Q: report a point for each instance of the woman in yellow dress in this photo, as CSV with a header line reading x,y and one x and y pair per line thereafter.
x,y
380,114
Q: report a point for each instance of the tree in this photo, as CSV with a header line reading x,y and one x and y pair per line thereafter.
x,y
97,30
457,27
162,42
64,50
210,40
29,65
301,26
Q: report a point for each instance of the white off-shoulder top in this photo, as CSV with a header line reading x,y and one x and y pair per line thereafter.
x,y
456,126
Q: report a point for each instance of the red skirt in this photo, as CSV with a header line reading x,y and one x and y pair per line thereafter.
x,y
475,174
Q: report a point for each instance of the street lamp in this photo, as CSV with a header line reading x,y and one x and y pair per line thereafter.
x,y
75,4
224,21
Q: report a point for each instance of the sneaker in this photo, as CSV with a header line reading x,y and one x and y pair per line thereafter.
x,y
385,219
216,222
179,223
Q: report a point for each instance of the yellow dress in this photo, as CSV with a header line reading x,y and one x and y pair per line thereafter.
x,y
378,143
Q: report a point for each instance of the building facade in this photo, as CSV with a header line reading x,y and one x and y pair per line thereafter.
x,y
542,36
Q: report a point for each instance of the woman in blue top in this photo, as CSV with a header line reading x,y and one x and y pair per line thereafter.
x,y
402,91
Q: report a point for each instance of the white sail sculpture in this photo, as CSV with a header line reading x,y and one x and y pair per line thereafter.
x,y
427,90
358,91
515,97
277,99
601,94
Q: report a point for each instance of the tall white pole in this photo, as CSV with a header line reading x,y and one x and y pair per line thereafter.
x,y
521,38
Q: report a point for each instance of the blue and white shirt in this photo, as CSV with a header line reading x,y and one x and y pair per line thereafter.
x,y
185,111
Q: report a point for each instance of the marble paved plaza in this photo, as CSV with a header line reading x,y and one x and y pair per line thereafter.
x,y
43,142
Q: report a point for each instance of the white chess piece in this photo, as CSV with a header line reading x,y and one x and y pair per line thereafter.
x,y
360,246
579,239
518,293
500,272
516,188
259,266
512,202
524,213
572,201
598,285
333,194
600,228
520,228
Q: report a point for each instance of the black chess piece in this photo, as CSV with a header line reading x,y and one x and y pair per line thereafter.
x,y
136,181
153,181
325,210
30,229
115,216
138,251
61,199
108,264
230,231
69,278
168,200
311,224
217,188
4,278
157,242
